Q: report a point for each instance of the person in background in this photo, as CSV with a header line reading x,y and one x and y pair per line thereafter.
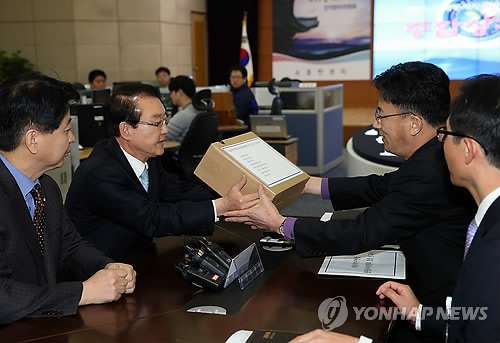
x,y
97,79
182,90
472,152
415,206
243,98
43,259
163,75
121,197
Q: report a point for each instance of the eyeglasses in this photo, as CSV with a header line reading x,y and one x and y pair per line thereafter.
x,y
378,117
159,124
442,133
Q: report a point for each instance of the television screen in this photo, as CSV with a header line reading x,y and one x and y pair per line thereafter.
x,y
460,36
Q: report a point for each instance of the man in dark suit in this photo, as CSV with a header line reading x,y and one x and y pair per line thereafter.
x,y
43,259
470,139
415,206
121,198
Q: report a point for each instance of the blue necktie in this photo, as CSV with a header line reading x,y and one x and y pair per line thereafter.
x,y
144,178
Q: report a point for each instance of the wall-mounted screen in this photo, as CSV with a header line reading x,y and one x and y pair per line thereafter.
x,y
460,36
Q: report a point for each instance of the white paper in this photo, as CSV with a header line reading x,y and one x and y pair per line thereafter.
x,y
326,216
265,163
240,336
374,264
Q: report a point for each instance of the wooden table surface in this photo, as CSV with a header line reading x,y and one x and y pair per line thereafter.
x,y
287,299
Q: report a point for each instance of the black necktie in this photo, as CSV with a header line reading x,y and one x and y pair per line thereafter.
x,y
39,215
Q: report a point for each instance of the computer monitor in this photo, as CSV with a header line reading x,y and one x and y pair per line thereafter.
x,y
91,123
154,83
267,126
101,96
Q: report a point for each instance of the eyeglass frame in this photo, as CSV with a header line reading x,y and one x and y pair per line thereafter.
x,y
158,124
379,118
441,131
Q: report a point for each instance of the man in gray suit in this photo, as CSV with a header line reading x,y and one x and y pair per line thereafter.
x,y
43,260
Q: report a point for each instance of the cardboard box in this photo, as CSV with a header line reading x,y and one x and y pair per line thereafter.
x,y
225,162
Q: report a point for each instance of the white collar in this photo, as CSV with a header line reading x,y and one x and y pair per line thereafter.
x,y
485,205
137,165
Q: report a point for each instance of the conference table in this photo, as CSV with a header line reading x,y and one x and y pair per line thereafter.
x,y
285,297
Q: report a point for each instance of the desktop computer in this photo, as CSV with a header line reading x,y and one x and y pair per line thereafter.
x,y
91,123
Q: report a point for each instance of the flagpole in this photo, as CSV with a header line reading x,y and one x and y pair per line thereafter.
x,y
245,53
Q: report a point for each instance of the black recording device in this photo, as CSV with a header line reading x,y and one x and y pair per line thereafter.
x,y
216,252
206,267
204,260
200,276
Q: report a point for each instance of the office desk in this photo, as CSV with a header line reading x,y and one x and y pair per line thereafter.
x,y
167,145
85,153
171,145
287,147
228,131
287,299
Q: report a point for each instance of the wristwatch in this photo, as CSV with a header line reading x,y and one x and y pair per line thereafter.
x,y
282,227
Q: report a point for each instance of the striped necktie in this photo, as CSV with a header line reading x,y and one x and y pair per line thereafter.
x,y
471,231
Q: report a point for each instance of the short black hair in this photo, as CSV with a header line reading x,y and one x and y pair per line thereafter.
x,y
475,112
95,73
160,69
238,67
122,106
32,100
417,87
184,83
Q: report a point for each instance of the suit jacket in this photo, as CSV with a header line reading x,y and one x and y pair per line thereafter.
x,y
111,208
30,284
415,206
478,286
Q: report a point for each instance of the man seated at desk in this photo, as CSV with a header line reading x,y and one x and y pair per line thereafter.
x,y
416,206
43,259
163,75
97,79
243,98
182,90
120,198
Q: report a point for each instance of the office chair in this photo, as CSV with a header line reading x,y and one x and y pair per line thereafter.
x,y
201,133
277,104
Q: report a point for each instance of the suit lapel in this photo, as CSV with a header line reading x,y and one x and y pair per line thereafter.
x,y
489,220
20,212
117,153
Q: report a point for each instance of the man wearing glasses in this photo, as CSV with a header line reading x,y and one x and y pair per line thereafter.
x,y
121,198
472,153
416,206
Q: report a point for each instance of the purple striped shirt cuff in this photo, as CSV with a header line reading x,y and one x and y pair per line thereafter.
x,y
288,228
325,192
